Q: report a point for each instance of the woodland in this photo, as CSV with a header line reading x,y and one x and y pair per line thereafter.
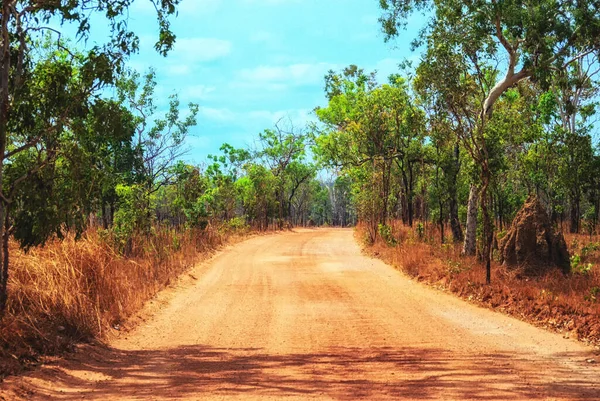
x,y
99,210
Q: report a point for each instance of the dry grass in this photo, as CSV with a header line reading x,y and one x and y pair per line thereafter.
x,y
567,304
69,291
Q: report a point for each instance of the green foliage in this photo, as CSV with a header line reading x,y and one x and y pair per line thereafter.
x,y
47,92
589,249
578,267
237,224
592,295
191,187
521,27
407,149
420,230
385,232
132,215
257,193
372,133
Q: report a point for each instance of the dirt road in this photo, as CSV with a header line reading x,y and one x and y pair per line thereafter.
x,y
305,316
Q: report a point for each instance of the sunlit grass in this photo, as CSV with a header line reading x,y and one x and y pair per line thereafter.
x,y
74,290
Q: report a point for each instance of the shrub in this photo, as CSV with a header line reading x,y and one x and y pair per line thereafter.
x,y
589,249
577,266
385,232
593,294
420,230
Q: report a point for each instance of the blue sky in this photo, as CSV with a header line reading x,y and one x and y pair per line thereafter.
x,y
248,63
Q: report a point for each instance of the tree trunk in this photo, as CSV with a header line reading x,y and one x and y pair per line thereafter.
x,y
4,106
575,214
488,233
597,214
104,215
411,197
404,207
469,245
4,259
500,212
385,192
441,221
457,232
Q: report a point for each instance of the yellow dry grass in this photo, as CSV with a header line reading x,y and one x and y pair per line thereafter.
x,y
72,290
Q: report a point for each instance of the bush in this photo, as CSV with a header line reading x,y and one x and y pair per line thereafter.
x,y
577,266
385,232
589,249
236,224
593,294
420,230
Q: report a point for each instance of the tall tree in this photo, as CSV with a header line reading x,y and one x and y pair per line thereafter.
x,y
282,149
537,38
20,25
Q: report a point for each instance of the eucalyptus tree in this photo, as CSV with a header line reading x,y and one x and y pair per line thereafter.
x,y
374,128
530,39
298,188
22,23
444,116
283,150
220,202
257,190
159,139
576,91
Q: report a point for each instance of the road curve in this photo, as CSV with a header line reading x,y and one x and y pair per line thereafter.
x,y
304,315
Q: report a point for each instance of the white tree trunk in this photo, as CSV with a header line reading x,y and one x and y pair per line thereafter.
x,y
469,245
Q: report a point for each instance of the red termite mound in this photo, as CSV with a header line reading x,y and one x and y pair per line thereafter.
x,y
532,243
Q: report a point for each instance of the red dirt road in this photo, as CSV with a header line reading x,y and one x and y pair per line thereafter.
x,y
305,316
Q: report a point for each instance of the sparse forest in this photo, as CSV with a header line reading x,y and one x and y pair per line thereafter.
x,y
99,210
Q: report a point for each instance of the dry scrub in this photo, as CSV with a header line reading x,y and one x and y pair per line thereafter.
x,y
567,304
69,291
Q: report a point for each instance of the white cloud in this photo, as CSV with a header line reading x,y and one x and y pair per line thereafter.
x,y
197,91
256,89
298,117
262,37
178,69
290,75
217,114
200,49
